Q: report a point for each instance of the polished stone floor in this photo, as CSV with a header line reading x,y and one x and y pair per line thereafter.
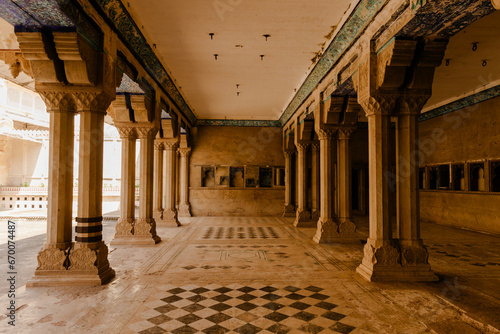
x,y
262,275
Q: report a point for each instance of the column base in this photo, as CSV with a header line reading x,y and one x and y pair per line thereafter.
x,y
327,231
383,264
303,219
315,216
184,210
289,211
81,265
170,218
124,227
143,233
157,215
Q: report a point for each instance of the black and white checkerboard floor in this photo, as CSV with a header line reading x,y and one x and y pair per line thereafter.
x,y
245,309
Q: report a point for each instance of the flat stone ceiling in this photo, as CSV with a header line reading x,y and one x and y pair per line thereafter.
x,y
180,30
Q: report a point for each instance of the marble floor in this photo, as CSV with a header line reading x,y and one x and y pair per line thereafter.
x,y
262,275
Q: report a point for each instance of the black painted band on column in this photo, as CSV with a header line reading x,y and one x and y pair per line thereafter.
x,y
96,238
88,229
89,220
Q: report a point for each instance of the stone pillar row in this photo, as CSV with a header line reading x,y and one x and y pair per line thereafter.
x,y
129,228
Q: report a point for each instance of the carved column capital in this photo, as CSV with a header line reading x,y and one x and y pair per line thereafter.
x,y
326,134
301,146
288,153
315,146
158,145
57,100
412,105
184,152
170,145
146,131
345,132
127,132
379,104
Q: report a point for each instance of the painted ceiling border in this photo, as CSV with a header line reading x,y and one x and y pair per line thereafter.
x,y
350,31
462,103
231,122
120,20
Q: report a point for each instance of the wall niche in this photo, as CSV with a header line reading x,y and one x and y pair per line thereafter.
x,y
242,176
207,177
237,177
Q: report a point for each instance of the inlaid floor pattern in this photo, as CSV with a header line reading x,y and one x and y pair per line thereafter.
x,y
240,232
244,309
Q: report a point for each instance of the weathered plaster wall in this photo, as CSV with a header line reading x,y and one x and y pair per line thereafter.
x,y
465,135
235,146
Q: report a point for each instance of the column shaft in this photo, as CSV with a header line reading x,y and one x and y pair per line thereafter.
x,y
125,224
327,230
145,226
158,182
302,215
184,206
89,220
60,187
414,255
347,228
315,186
170,211
288,207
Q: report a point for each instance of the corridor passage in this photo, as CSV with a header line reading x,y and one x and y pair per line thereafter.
x,y
263,275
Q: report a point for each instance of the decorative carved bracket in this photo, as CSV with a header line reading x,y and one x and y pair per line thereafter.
x,y
16,62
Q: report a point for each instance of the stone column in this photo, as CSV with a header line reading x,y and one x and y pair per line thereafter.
x,y
145,226
184,206
381,255
89,256
327,230
125,225
170,212
158,182
302,215
289,210
414,255
52,258
315,187
4,160
347,228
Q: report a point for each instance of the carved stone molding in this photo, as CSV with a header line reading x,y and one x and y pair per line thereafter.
x,y
184,152
80,59
144,228
170,145
83,259
158,145
302,146
146,131
379,105
345,133
386,255
124,227
17,63
414,255
327,231
51,259
326,134
127,132
412,105
347,229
